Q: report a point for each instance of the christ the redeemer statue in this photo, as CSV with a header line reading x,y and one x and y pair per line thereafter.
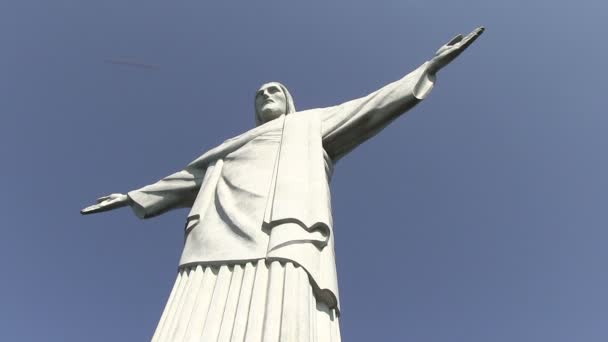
x,y
258,261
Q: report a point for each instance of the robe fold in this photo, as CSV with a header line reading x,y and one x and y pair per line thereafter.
x,y
265,193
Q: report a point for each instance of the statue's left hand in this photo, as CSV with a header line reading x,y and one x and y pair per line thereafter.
x,y
448,52
106,203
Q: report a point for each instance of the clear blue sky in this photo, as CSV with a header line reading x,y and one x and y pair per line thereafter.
x,y
481,215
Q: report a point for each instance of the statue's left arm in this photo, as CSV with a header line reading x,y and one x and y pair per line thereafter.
x,y
177,190
347,125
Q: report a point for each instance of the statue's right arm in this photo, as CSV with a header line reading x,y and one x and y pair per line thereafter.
x,y
347,125
175,191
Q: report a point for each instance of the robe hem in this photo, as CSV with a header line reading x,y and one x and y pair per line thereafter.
x,y
325,295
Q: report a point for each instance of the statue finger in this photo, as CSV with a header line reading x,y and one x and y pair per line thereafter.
x,y
103,198
90,209
471,38
454,40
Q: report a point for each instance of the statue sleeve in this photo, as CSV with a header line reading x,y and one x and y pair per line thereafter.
x,y
175,191
347,125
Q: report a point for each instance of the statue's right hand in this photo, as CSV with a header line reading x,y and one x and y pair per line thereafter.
x,y
106,203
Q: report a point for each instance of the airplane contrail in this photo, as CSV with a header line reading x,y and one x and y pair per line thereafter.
x,y
127,62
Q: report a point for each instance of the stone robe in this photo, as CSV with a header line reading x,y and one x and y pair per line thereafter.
x,y
265,193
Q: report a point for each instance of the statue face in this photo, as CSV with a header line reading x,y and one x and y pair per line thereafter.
x,y
270,102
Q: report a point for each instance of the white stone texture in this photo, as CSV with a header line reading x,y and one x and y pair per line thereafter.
x,y
257,301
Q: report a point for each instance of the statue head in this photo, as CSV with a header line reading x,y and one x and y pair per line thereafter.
x,y
271,101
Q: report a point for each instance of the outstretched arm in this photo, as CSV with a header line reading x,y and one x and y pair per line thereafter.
x,y
175,191
347,125
107,203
